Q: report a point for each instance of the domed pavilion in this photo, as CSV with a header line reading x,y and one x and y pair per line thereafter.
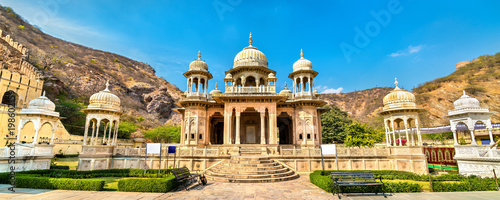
x,y
468,112
249,111
41,112
401,114
103,110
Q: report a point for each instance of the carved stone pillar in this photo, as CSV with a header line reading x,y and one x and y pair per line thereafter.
x,y
262,127
238,114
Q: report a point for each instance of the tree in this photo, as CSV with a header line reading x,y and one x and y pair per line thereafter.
x,y
74,119
360,135
164,134
333,123
126,128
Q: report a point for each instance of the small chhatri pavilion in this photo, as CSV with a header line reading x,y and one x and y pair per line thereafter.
x,y
249,111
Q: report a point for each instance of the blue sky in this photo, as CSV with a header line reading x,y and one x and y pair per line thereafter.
x,y
354,45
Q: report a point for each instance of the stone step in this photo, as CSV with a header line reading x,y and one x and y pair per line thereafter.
x,y
249,165
251,161
250,176
238,168
254,172
249,158
262,180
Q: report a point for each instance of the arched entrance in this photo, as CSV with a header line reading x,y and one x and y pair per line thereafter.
x,y
9,98
217,129
285,128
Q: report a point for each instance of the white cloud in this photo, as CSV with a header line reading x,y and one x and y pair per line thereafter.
x,y
410,50
332,90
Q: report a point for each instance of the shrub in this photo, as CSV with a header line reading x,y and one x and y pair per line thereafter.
x,y
59,167
470,184
147,185
59,183
60,173
323,180
5,178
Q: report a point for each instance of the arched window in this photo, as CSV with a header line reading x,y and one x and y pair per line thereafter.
x,y
9,98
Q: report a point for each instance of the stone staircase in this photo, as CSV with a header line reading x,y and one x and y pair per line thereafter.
x,y
250,169
250,151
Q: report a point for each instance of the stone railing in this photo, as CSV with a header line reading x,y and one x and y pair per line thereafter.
x,y
183,152
476,152
97,150
250,90
342,152
27,150
462,110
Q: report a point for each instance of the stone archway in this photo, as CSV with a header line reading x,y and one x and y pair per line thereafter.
x,y
10,98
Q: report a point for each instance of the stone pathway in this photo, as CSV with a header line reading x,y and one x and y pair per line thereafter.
x,y
299,188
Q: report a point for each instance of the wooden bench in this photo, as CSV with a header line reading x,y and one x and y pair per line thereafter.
x,y
185,178
355,178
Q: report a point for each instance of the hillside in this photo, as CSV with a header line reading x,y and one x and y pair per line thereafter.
x,y
362,105
73,71
480,79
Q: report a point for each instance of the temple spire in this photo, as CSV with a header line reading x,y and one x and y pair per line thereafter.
x,y
199,55
396,83
43,93
250,41
216,85
463,91
285,85
301,53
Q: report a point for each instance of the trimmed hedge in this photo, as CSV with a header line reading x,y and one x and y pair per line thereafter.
x,y
59,167
474,184
323,180
402,175
59,173
59,183
147,185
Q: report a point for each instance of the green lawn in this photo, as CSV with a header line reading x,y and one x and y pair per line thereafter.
x,y
72,162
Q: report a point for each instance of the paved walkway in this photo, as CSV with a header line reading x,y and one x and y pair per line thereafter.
x,y
296,189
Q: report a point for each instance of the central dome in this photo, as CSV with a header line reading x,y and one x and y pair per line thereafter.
x,y
105,100
250,56
399,98
465,101
42,103
302,63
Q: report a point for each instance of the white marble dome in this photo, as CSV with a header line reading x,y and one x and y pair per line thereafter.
x,y
465,101
105,100
250,56
215,91
285,91
42,103
198,64
302,63
399,98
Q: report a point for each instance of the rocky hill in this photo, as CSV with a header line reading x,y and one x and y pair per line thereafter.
x,y
480,79
77,72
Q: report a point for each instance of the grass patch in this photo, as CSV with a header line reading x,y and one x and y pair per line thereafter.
x,y
71,162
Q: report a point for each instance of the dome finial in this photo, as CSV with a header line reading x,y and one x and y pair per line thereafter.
x,y
250,41
107,86
396,82
301,53
215,85
463,91
285,85
199,55
43,93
